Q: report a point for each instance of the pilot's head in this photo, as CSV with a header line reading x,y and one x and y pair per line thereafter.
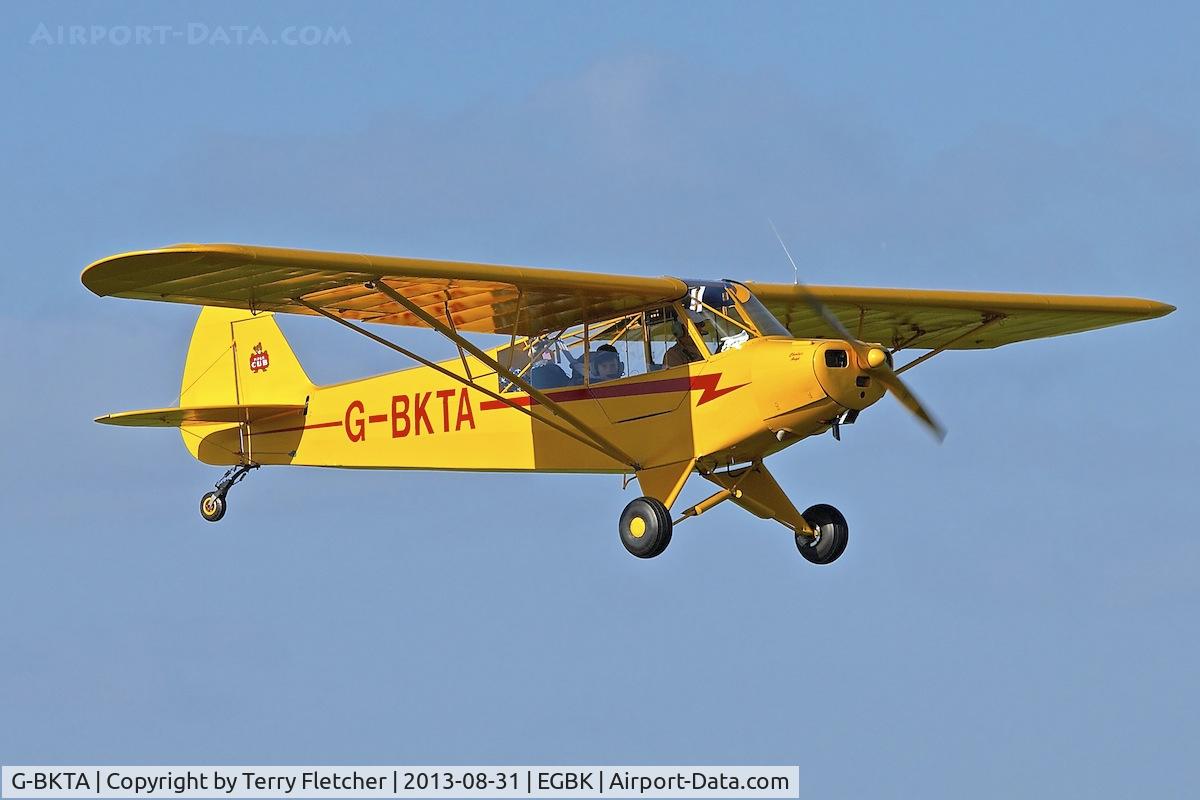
x,y
606,363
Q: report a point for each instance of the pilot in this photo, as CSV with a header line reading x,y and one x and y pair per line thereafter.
x,y
684,350
606,364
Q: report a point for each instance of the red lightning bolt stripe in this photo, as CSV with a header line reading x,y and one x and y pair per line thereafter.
x,y
707,384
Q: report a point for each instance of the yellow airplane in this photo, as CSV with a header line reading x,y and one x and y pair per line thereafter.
x,y
655,378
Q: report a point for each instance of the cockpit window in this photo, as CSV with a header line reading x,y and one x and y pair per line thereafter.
x,y
724,314
720,332
718,320
763,320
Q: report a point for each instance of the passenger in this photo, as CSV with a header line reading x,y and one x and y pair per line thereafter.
x,y
546,373
684,350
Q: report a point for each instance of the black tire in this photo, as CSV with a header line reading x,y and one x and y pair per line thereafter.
x,y
212,506
833,538
645,527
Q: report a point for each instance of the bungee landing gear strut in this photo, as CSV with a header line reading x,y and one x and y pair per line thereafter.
x,y
212,504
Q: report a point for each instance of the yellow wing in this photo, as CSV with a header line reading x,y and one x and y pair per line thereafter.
x,y
486,298
482,298
921,318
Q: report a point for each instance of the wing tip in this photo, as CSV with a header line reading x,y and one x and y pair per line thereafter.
x,y
1157,309
94,275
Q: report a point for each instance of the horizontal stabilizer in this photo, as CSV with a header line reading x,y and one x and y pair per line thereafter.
x,y
176,417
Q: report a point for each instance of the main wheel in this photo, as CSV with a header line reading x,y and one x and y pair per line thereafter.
x,y
212,506
645,527
832,535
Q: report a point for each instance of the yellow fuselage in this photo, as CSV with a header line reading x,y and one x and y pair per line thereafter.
x,y
732,407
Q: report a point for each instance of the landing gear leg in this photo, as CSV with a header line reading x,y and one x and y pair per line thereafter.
x,y
212,504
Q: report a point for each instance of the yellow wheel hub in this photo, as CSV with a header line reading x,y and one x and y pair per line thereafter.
x,y
637,527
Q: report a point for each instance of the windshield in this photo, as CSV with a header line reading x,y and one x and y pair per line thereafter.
x,y
737,303
767,323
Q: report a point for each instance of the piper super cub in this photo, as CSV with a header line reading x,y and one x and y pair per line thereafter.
x,y
659,378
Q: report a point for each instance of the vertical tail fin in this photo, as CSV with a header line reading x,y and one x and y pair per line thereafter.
x,y
236,358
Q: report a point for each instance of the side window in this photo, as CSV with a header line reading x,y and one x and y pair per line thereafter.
x,y
639,344
618,349
546,362
719,332
629,346
717,318
671,343
514,358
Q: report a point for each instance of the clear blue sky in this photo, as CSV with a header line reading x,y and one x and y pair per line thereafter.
x,y
1016,612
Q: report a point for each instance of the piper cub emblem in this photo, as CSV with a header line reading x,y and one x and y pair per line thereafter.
x,y
584,373
259,359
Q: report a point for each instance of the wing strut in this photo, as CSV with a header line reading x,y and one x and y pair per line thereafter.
x,y
988,321
450,321
469,382
555,408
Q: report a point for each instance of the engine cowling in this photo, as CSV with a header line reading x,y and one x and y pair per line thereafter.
x,y
843,378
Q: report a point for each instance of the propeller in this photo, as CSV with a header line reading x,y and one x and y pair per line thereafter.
x,y
871,359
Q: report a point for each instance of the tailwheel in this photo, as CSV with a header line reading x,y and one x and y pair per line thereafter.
x,y
212,506
832,535
645,527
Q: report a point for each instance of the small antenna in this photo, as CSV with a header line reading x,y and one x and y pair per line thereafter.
x,y
795,269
